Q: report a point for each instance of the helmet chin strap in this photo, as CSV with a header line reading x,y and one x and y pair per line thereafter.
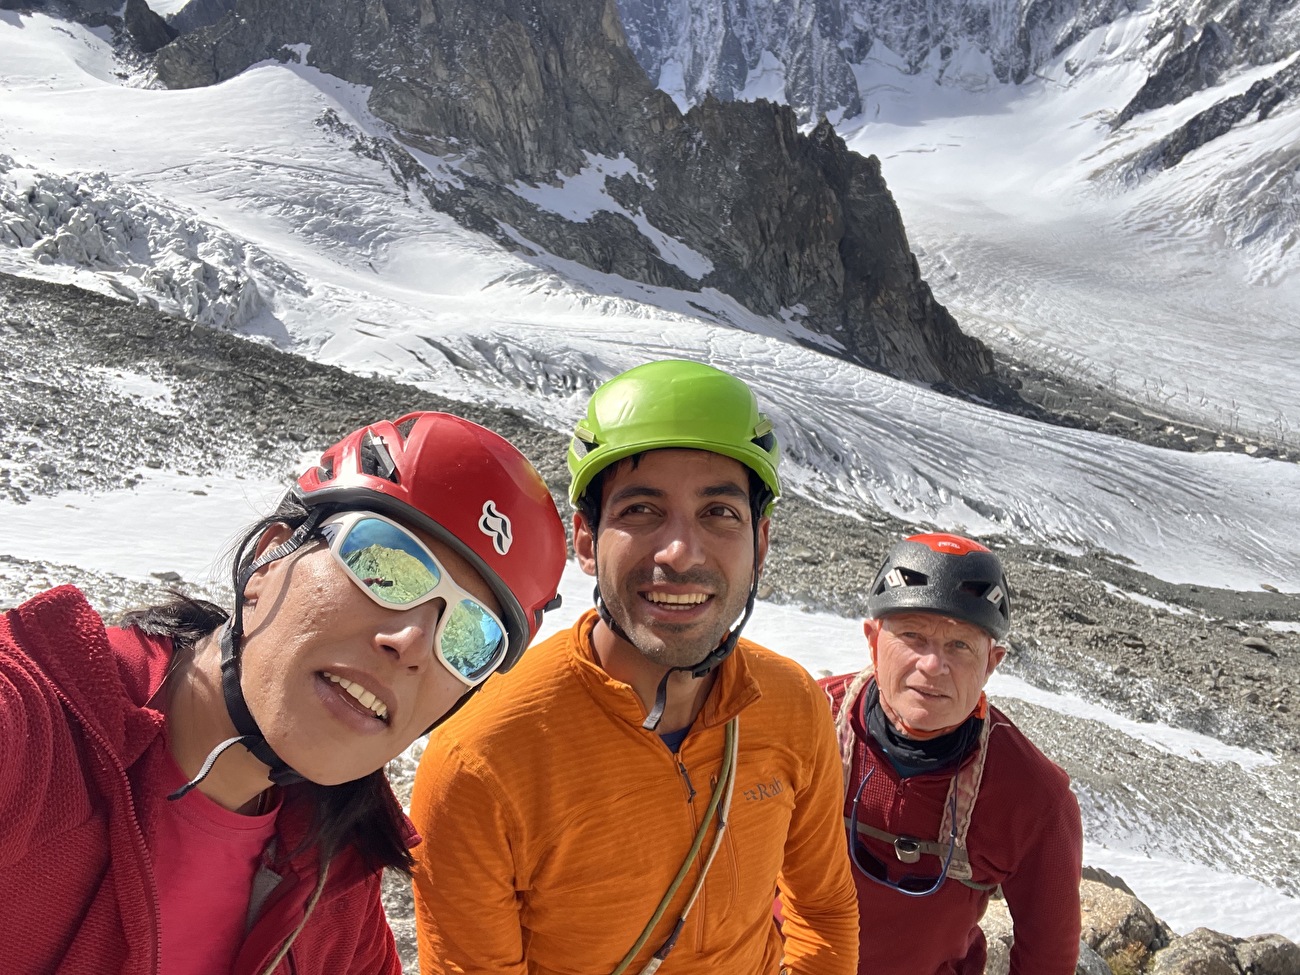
x,y
249,734
711,659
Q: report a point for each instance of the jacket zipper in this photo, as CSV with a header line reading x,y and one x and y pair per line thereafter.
x,y
681,767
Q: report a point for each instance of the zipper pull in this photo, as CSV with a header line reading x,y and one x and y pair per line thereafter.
x,y
690,788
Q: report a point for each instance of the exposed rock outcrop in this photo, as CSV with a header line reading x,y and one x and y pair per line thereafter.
x,y
198,14
147,29
134,20
729,196
1183,72
1259,100
1205,42
1122,936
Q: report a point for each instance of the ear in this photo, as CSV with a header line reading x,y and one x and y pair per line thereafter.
x,y
996,653
871,630
764,530
584,544
274,535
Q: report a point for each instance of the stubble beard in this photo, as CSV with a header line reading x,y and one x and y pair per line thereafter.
x,y
664,643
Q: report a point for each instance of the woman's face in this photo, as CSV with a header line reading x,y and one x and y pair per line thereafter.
x,y
314,641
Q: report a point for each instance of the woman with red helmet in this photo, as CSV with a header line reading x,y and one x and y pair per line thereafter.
x,y
202,791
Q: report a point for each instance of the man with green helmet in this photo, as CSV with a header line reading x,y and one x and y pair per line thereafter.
x,y
635,791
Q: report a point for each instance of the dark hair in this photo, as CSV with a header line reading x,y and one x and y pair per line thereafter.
x,y
363,813
589,504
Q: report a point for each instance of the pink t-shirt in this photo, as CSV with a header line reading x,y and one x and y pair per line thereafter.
x,y
204,858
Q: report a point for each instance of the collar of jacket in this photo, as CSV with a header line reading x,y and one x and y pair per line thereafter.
x,y
64,635
734,690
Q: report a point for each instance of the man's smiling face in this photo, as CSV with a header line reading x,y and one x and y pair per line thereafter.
x,y
674,550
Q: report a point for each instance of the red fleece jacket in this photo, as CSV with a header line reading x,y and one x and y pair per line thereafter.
x,y
1025,835
77,890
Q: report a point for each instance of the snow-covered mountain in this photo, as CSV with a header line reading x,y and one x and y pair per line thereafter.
x,y
1157,584
1071,173
520,103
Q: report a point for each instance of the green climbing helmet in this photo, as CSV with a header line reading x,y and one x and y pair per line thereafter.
x,y
673,403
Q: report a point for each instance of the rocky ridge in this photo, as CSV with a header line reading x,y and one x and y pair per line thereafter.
x,y
513,99
727,48
811,54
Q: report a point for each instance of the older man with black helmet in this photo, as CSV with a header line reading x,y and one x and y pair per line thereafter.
x,y
946,801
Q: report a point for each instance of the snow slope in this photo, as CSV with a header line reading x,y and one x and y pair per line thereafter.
x,y
353,268
252,188
1178,288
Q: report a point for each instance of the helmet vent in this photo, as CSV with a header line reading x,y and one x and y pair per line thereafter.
x,y
766,442
406,426
375,459
898,576
325,472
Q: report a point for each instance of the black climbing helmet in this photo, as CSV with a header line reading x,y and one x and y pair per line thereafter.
x,y
948,574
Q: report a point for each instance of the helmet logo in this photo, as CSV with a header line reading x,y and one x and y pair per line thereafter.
x,y
496,526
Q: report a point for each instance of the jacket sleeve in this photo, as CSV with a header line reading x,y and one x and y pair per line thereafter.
x,y
819,901
466,908
1043,893
27,737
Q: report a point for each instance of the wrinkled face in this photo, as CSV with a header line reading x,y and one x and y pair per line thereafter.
x,y
311,634
930,668
675,551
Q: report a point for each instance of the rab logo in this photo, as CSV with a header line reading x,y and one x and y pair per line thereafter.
x,y
496,526
764,790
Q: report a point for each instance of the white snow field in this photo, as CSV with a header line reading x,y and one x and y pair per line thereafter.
x,y
1178,288
241,189
242,205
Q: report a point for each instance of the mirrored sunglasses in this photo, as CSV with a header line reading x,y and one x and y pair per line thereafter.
x,y
395,569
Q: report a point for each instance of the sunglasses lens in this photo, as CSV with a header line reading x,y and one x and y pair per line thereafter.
x,y
388,562
472,640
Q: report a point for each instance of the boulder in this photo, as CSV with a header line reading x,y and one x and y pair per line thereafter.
x,y
1203,952
1268,954
997,928
1116,922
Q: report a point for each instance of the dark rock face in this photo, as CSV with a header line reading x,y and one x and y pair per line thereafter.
x,y
147,29
1260,100
525,93
1183,73
134,22
198,14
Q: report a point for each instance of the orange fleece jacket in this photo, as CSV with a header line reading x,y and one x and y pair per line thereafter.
x,y
554,824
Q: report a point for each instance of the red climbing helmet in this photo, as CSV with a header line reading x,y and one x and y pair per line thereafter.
x,y
466,486
947,574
